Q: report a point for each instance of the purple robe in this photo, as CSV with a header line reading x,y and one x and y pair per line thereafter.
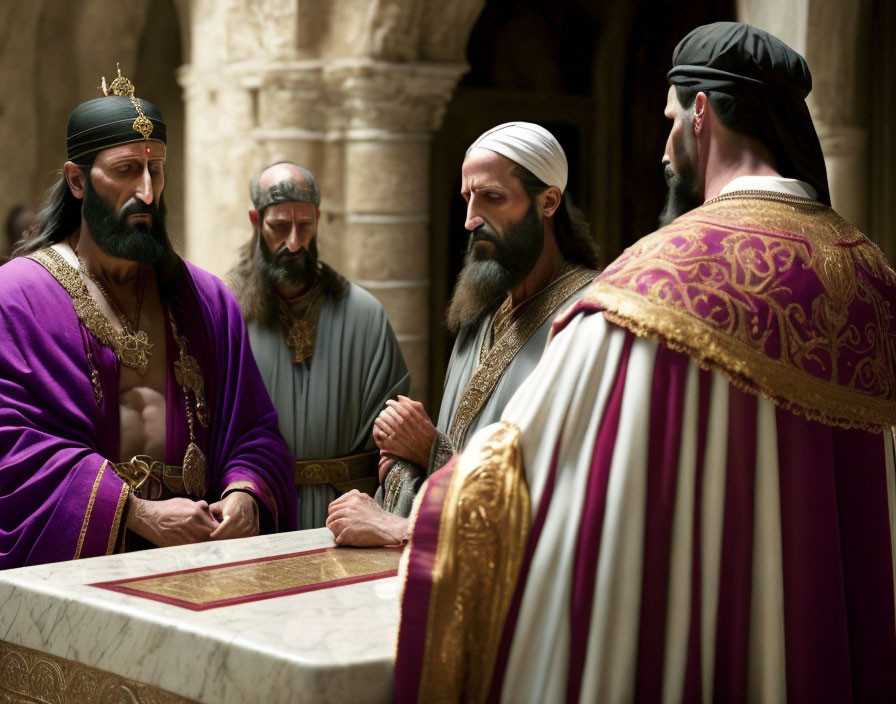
x,y
59,497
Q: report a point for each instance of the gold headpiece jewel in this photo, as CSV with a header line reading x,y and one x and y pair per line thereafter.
x,y
123,86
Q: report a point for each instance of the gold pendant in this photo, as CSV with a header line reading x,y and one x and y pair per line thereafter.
x,y
134,351
194,470
299,340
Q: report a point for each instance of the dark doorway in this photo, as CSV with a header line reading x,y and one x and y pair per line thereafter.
x,y
594,75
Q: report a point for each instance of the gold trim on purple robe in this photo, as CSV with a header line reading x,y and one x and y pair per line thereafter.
x,y
89,509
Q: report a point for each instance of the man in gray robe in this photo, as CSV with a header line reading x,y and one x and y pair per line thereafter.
x,y
326,351
530,255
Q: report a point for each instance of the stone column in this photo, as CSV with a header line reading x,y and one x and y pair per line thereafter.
x,y
386,114
830,35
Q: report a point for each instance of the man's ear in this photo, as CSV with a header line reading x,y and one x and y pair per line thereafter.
x,y
701,113
253,216
552,199
75,178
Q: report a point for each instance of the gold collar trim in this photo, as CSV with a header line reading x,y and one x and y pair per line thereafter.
x,y
495,361
133,350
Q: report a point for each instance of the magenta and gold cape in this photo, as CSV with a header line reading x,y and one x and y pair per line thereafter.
x,y
798,306
59,497
691,497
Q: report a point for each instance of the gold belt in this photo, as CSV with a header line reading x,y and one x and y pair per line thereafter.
x,y
343,473
150,478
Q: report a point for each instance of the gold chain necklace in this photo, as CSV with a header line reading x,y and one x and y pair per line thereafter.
x,y
126,324
132,347
189,377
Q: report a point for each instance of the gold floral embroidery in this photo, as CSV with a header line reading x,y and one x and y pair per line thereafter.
x,y
28,675
724,300
482,538
495,361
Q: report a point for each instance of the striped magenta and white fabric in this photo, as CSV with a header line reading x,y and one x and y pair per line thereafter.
x,y
691,542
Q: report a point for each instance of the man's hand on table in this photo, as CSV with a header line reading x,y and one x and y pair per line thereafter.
x,y
356,519
171,522
403,429
237,514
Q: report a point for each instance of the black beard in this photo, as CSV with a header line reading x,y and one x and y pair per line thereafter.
x,y
112,234
290,268
485,281
682,196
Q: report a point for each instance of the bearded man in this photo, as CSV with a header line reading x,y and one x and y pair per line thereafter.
x,y
529,255
131,411
692,497
327,353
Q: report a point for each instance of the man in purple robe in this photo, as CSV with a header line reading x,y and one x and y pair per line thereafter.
x,y
132,413
692,497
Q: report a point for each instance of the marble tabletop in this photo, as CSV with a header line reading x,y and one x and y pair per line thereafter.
x,y
328,645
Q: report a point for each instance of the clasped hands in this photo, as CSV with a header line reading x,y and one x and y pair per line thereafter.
x,y
403,430
180,521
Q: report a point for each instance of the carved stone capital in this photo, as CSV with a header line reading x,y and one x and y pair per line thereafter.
x,y
446,28
367,95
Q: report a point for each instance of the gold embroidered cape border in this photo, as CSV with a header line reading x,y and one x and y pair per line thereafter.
x,y
483,531
746,368
483,382
741,248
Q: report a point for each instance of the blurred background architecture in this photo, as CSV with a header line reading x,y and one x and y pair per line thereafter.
x,y
380,98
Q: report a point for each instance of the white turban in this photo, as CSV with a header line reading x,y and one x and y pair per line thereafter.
x,y
532,147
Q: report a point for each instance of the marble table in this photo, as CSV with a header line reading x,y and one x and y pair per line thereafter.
x,y
81,643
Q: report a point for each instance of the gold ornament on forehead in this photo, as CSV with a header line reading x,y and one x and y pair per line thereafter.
x,y
123,86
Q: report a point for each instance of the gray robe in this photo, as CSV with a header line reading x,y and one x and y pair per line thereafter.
x,y
397,494
327,404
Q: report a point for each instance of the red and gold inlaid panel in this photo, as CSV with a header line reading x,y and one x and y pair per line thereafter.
x,y
232,583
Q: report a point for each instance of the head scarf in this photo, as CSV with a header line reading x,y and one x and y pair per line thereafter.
x,y
769,82
532,147
293,189
107,122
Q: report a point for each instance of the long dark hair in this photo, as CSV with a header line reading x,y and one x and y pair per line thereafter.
x,y
58,217
571,229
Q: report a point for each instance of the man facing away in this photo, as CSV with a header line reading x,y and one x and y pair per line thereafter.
x,y
529,256
691,498
132,412
326,351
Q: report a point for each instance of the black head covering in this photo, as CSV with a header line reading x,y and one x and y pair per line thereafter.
x,y
106,122
768,80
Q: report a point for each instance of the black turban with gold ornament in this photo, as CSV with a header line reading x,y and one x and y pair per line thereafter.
x,y
768,82
115,119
